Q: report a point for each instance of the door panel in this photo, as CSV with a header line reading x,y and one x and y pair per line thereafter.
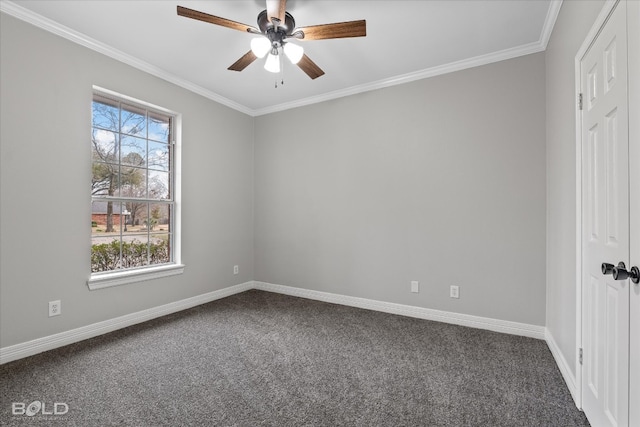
x,y
605,210
593,192
612,404
612,191
593,333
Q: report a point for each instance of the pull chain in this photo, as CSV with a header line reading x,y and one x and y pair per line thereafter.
x,y
281,68
281,72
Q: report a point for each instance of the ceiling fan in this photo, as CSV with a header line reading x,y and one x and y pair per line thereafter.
x,y
276,26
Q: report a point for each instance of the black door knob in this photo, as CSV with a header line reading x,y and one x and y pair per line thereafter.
x,y
607,268
621,273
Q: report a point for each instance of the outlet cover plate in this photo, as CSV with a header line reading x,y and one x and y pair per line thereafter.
x,y
454,292
415,286
55,308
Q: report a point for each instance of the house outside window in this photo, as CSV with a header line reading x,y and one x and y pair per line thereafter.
x,y
134,191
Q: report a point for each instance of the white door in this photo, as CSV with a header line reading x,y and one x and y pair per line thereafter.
x,y
605,224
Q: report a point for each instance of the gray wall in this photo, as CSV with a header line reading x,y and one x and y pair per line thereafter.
x,y
45,171
573,24
440,180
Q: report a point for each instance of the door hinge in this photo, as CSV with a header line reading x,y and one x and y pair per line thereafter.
x,y
579,101
580,356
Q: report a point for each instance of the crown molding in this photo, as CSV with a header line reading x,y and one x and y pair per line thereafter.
x,y
550,22
46,24
527,49
409,77
19,12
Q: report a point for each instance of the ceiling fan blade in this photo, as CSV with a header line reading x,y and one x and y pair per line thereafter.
x,y
276,9
205,17
338,30
243,62
310,67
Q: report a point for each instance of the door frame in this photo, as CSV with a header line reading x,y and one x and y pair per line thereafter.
x,y
600,21
633,46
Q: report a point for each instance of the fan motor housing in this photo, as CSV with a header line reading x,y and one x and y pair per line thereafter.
x,y
276,34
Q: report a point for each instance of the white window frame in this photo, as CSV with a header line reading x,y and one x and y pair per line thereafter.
x,y
121,277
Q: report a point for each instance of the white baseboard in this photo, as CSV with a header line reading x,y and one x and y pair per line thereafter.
x,y
29,348
495,325
39,345
563,365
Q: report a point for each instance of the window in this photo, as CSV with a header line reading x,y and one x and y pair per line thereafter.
x,y
134,207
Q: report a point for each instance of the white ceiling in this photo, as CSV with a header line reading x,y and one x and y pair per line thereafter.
x,y
406,40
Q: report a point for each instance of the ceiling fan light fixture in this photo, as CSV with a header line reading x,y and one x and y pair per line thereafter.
x,y
260,46
293,52
276,25
273,63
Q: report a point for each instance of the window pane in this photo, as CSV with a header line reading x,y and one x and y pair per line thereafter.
x,y
135,251
107,215
105,253
159,252
158,217
159,127
158,185
105,235
106,115
131,178
135,186
104,145
133,121
134,151
98,217
105,179
131,218
158,156
161,213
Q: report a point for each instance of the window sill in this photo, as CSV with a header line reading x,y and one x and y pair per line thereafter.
x,y
108,280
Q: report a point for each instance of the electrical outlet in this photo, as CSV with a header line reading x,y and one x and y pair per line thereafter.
x,y
55,308
236,269
454,292
415,286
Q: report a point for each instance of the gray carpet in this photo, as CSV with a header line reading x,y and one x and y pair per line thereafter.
x,y
263,359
